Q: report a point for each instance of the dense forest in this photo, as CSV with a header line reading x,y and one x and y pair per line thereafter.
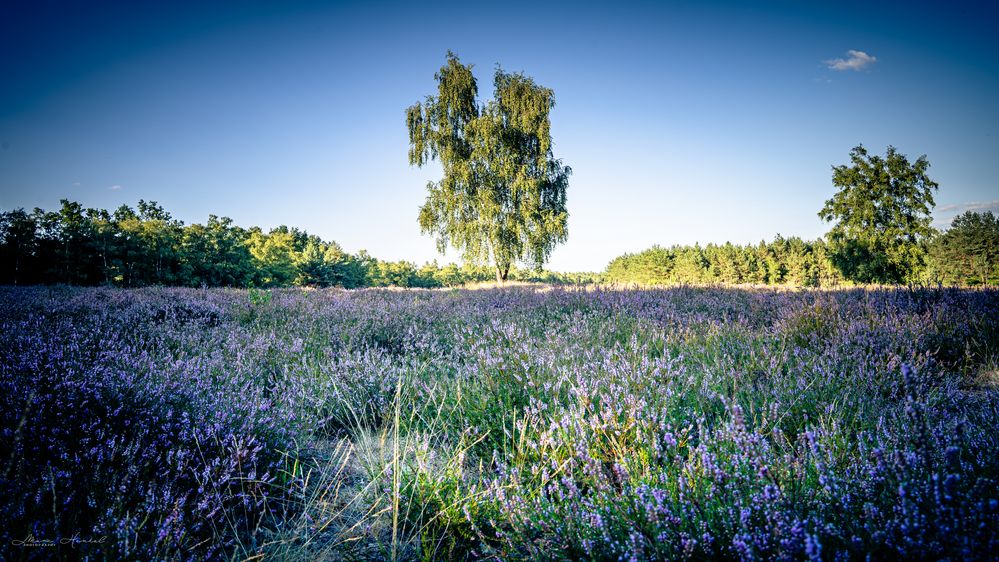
x,y
965,254
147,246
785,261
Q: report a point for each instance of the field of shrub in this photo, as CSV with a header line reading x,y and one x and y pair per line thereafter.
x,y
509,424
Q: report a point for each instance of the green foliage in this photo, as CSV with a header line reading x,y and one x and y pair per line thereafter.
x,y
18,230
967,253
785,261
881,215
321,265
215,254
274,256
258,297
132,248
502,198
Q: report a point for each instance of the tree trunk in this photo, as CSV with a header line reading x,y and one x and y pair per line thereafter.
x,y
501,273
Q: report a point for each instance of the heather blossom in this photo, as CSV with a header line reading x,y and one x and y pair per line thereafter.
x,y
508,424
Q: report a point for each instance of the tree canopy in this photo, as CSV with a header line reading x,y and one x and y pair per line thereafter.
x,y
502,198
784,261
147,246
881,215
968,252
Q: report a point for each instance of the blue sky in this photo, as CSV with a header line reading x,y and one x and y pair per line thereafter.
x,y
683,122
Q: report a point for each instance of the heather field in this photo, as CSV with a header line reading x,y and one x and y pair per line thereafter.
x,y
517,423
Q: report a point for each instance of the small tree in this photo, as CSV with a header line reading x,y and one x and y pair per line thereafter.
x,y
882,217
502,197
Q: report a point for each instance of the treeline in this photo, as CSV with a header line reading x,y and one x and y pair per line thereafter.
x,y
785,261
147,246
965,254
968,252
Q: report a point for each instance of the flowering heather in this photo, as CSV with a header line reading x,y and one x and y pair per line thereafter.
x,y
511,424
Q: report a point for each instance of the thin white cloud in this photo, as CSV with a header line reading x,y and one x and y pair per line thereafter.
x,y
945,215
856,60
115,187
970,206
76,184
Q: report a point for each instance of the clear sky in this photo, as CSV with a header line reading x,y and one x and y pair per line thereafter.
x,y
683,122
